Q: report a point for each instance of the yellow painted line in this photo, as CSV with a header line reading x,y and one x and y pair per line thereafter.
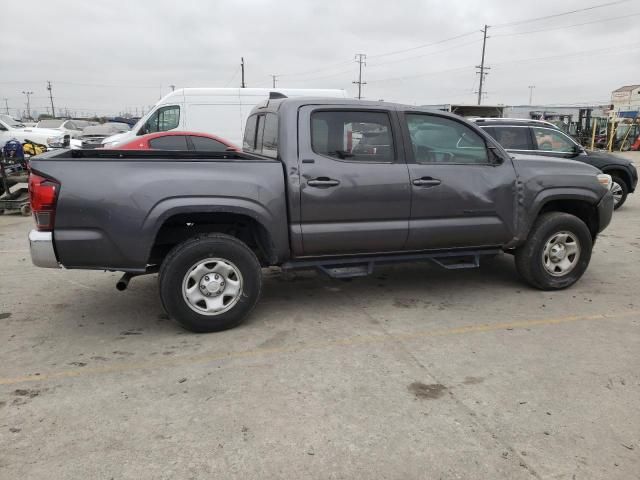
x,y
350,341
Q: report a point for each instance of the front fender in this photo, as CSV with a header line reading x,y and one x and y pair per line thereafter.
x,y
532,209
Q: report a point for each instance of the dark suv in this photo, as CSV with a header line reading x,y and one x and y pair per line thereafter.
x,y
535,137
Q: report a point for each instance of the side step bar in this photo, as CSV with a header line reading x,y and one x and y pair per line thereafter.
x,y
349,267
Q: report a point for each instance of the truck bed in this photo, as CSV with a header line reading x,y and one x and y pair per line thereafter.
x,y
112,203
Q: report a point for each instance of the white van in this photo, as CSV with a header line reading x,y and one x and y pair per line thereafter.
x,y
218,111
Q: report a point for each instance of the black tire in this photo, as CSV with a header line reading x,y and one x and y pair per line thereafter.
x,y
529,257
183,257
625,191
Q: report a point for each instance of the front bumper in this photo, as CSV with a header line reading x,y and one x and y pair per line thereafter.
x,y
605,211
42,251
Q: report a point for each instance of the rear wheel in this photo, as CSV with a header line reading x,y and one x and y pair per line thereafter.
x,y
619,190
210,282
25,210
557,252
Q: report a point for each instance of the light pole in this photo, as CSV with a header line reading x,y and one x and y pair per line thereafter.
x,y
531,87
28,94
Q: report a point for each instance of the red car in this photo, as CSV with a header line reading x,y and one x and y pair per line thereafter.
x,y
183,141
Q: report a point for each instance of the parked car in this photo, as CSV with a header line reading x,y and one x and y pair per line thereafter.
x,y
93,136
67,127
181,141
301,195
12,129
531,138
219,111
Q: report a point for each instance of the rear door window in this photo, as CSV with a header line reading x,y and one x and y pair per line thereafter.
x,y
270,136
551,140
249,141
259,134
205,144
354,136
511,138
169,142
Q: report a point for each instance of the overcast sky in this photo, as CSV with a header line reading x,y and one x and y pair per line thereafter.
x,y
107,57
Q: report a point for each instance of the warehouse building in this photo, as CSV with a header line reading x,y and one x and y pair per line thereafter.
x,y
625,101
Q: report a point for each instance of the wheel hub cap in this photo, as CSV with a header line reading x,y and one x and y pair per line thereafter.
x,y
561,253
616,191
557,253
212,286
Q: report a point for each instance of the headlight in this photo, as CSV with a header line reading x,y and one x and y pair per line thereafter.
x,y
55,142
605,180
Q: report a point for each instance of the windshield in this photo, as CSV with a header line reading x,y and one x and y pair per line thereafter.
x,y
11,122
120,127
50,123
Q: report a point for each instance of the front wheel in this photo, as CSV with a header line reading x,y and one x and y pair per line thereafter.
x,y
557,252
210,282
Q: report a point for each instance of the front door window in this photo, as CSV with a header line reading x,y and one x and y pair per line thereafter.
x,y
162,120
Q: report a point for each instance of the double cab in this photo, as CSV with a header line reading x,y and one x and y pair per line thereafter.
x,y
335,184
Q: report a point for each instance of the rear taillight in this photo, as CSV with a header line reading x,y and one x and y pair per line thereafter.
x,y
43,193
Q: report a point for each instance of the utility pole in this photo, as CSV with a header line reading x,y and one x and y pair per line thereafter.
x,y
275,79
53,110
481,66
28,94
531,87
6,105
172,87
242,85
361,58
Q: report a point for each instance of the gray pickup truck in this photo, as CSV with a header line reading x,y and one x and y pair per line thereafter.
x,y
338,185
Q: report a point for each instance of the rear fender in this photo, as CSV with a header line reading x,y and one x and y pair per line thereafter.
x,y
229,205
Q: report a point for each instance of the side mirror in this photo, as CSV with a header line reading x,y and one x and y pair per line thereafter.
x,y
496,158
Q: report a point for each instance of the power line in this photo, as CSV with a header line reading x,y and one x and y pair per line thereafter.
x,y
423,45
413,57
617,48
232,77
361,59
555,15
566,26
316,70
311,79
437,72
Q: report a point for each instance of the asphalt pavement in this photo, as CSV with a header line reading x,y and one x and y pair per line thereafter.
x,y
413,372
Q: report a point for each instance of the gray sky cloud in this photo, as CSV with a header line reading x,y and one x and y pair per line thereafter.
x,y
105,57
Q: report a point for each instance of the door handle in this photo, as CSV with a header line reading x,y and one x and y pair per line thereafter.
x,y
323,182
426,182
